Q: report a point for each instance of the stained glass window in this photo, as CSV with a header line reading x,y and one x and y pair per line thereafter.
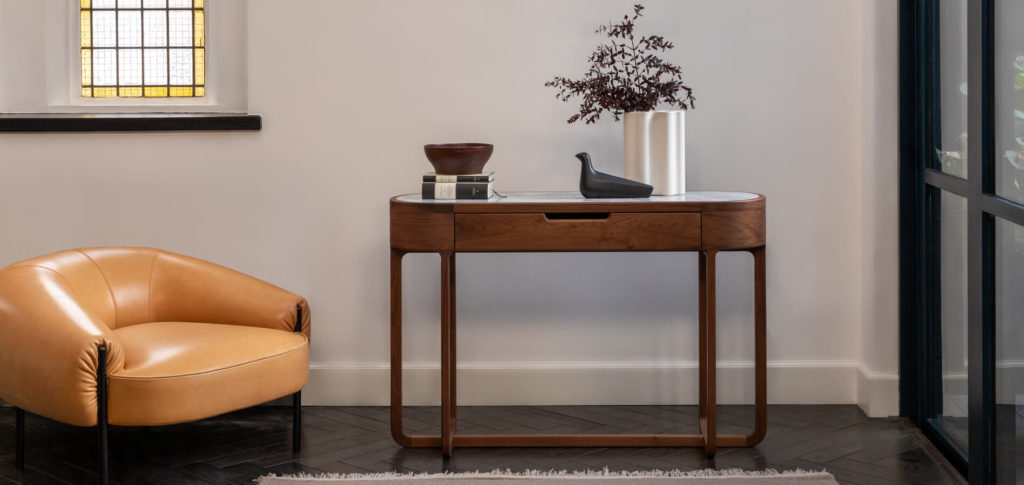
x,y
143,48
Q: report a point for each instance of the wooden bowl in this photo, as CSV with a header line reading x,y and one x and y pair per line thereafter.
x,y
458,158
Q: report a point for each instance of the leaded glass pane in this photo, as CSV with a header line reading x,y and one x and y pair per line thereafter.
x,y
180,27
129,67
156,66
104,28
129,28
104,67
155,28
181,67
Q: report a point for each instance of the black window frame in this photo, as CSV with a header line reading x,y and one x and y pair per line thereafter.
x,y
921,184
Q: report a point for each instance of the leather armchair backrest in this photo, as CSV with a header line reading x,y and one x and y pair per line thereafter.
x,y
124,286
112,283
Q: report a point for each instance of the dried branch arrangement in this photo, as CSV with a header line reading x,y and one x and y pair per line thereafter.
x,y
625,75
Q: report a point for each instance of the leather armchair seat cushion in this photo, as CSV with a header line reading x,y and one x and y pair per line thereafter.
x,y
176,372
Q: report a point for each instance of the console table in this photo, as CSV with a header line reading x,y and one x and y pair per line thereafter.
x,y
707,222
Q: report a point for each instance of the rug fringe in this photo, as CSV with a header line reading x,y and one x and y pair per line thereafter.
x,y
729,472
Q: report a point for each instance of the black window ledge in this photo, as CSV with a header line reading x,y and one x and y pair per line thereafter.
x,y
75,122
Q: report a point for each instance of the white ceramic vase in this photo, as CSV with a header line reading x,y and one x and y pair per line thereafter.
x,y
655,149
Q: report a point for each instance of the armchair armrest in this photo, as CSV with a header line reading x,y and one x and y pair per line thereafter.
x,y
49,346
191,290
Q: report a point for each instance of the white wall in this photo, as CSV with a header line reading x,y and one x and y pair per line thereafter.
x,y
878,382
349,91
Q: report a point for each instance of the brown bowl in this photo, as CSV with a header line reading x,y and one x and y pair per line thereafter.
x,y
458,158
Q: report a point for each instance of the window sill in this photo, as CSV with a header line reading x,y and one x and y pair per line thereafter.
x,y
57,123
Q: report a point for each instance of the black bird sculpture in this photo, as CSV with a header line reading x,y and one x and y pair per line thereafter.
x,y
594,184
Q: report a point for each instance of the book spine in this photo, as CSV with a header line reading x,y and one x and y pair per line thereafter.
x,y
452,191
446,179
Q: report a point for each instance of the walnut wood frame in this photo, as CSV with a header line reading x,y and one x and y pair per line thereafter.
x,y
708,227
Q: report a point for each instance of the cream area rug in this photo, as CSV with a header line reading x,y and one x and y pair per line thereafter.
x,y
605,477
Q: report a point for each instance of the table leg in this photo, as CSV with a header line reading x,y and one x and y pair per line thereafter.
x,y
702,346
708,363
447,353
396,350
760,349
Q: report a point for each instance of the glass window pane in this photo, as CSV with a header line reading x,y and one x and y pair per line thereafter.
x,y
86,67
103,4
180,4
199,19
1009,353
1009,111
104,29
156,92
951,155
129,92
128,3
104,67
181,67
953,287
104,92
181,27
181,91
154,3
200,73
155,23
86,28
129,28
156,66
130,67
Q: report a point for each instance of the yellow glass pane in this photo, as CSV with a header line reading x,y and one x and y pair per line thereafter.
x,y
156,92
86,28
86,3
180,91
86,67
131,92
86,92
200,28
104,92
198,4
200,92
200,70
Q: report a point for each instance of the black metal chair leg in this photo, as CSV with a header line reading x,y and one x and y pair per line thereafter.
x,y
19,420
101,415
296,422
297,397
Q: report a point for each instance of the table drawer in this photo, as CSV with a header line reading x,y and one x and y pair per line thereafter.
x,y
589,231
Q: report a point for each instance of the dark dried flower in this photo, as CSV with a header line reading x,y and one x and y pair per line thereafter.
x,y
625,75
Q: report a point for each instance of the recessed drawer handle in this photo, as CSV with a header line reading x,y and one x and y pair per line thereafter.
x,y
574,216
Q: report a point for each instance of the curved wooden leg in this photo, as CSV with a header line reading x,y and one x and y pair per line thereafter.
x,y
447,354
702,346
760,349
708,363
397,433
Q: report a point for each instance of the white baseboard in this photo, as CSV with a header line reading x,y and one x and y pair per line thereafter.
x,y
362,384
878,394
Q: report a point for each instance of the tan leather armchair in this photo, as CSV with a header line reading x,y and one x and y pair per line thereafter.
x,y
144,337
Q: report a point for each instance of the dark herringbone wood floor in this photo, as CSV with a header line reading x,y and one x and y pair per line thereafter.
x,y
238,447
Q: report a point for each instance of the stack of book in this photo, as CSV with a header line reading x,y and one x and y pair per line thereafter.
x,y
451,187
